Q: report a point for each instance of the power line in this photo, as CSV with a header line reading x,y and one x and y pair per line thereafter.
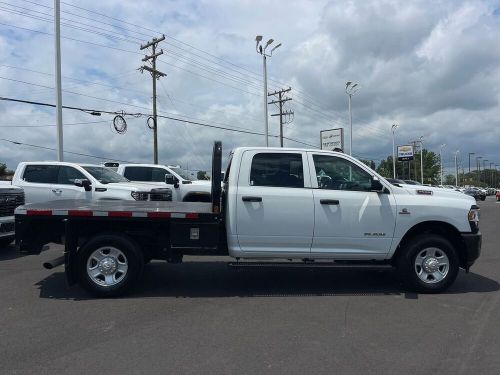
x,y
50,125
122,113
66,152
307,98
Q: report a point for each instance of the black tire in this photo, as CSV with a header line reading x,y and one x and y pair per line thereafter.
x,y
408,270
4,242
133,258
483,197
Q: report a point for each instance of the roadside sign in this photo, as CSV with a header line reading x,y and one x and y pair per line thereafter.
x,y
405,153
332,139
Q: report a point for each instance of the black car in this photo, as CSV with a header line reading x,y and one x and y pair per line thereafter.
x,y
476,193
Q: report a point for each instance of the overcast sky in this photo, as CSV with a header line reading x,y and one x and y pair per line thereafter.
x,y
433,67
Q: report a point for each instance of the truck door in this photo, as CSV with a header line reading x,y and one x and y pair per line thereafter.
x,y
37,182
351,221
274,203
64,187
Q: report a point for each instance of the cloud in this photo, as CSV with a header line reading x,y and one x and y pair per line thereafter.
x,y
432,68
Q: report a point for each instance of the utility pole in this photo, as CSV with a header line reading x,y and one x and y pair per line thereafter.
x,y
279,103
57,45
156,74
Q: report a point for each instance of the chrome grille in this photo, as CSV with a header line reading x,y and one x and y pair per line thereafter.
x,y
9,200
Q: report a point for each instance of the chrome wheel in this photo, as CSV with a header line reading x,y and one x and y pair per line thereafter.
x,y
432,265
107,266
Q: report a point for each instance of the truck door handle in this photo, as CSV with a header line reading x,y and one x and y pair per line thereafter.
x,y
334,202
251,199
57,191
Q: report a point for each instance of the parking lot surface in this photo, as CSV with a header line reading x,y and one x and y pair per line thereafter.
x,y
201,317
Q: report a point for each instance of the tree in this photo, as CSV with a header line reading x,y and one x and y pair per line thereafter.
x,y
449,179
202,175
4,172
431,168
369,163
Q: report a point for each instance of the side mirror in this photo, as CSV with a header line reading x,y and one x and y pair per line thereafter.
x,y
83,183
377,185
171,180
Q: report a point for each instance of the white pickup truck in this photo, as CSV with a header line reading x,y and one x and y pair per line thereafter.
x,y
278,207
10,197
47,181
184,188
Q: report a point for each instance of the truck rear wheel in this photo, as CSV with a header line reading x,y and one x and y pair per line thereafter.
x,y
428,263
109,265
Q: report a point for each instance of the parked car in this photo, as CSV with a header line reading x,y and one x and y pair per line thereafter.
x,y
10,198
47,181
476,193
184,187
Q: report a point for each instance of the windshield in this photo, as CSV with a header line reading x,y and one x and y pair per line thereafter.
x,y
184,174
105,175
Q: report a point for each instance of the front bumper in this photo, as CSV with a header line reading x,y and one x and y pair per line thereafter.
x,y
6,226
472,244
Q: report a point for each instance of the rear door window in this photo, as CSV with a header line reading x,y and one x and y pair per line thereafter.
x,y
278,170
42,174
137,173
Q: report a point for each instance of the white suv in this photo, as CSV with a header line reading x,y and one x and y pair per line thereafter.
x,y
47,181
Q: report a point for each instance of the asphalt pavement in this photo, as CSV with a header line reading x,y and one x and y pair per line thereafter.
x,y
201,317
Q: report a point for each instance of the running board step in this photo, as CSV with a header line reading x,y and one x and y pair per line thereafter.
x,y
381,266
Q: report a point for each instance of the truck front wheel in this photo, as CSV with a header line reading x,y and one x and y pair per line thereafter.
x,y
109,265
428,263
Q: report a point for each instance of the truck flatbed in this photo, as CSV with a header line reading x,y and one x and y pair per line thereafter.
x,y
111,208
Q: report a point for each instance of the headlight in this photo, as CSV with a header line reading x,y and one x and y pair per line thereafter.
x,y
138,196
473,217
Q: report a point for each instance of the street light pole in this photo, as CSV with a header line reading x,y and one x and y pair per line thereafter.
x,y
441,161
57,48
421,140
478,169
491,174
262,50
484,170
393,128
350,89
456,167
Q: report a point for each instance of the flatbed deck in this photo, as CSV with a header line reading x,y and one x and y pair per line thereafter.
x,y
111,208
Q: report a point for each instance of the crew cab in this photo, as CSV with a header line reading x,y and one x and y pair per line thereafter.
x,y
184,187
48,181
10,197
277,207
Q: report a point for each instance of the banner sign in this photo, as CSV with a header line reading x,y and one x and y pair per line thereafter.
x,y
332,139
405,153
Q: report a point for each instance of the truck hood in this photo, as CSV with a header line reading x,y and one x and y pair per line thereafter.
x,y
201,183
437,192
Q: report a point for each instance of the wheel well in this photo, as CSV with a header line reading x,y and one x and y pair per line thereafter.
x,y
441,228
